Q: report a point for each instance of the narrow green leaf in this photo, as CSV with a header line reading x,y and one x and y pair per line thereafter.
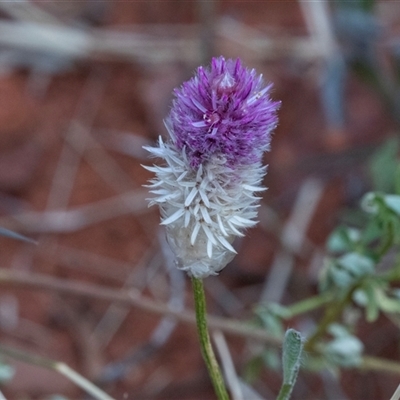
x,y
291,359
371,309
386,303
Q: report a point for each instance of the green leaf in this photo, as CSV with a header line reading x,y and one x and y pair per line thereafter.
x,y
392,201
338,330
372,231
345,350
345,270
383,165
372,308
343,239
341,278
356,264
291,359
387,304
370,203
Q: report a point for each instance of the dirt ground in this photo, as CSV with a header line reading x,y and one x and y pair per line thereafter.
x,y
70,140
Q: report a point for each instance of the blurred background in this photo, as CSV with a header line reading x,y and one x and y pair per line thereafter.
x,y
83,86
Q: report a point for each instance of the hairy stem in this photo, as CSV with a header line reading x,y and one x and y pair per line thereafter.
x,y
206,348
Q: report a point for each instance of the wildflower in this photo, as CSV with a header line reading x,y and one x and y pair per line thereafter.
x,y
219,126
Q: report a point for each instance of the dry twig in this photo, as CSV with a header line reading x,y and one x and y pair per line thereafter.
x,y
130,297
77,218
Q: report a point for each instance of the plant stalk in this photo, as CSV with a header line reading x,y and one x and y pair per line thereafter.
x,y
331,315
206,348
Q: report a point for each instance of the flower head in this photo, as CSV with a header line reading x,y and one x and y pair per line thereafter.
x,y
219,126
223,110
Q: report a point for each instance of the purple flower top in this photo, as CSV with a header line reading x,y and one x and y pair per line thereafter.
x,y
223,110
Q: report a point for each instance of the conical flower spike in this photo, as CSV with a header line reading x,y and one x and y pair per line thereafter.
x,y
208,190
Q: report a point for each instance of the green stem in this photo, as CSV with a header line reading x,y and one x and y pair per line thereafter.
x,y
388,239
308,305
284,393
206,348
331,315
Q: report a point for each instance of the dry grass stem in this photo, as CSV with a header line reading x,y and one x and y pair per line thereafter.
x,y
77,218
